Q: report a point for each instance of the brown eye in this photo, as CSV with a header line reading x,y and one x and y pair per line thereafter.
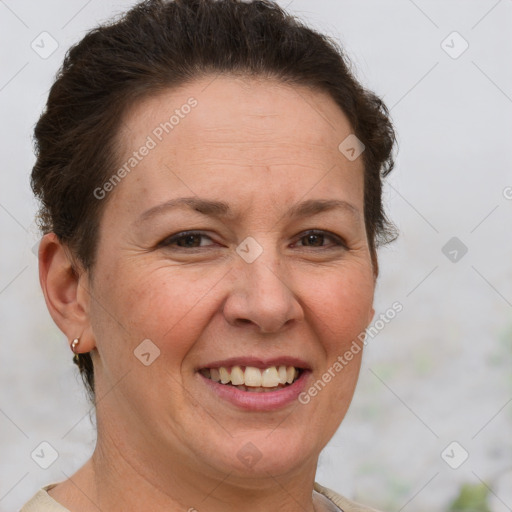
x,y
317,239
186,240
314,239
189,241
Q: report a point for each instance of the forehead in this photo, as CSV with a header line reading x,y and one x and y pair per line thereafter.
x,y
237,133
243,111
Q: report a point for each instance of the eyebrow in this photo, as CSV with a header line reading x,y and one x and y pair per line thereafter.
x,y
221,209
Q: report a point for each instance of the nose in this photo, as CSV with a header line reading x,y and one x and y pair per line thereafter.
x,y
262,296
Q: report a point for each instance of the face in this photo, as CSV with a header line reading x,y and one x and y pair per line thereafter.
x,y
265,266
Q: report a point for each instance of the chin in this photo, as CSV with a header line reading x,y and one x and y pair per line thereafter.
x,y
270,453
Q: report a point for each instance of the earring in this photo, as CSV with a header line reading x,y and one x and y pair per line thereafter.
x,y
74,344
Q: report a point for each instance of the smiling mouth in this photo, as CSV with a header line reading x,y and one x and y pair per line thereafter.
x,y
252,379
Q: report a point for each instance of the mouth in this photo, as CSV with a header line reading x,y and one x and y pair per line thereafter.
x,y
253,384
253,379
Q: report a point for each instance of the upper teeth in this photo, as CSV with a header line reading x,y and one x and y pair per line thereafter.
x,y
254,377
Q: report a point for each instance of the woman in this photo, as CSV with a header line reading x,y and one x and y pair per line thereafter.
x,y
210,180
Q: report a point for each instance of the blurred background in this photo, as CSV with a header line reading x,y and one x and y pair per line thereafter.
x,y
429,426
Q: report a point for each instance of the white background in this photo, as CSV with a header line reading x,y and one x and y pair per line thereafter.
x,y
439,372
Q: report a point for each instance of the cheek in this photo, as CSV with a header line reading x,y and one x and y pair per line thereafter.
x,y
340,303
167,305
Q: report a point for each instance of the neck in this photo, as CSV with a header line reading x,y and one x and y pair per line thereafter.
x,y
117,478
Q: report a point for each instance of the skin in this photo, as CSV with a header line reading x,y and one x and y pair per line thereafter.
x,y
163,438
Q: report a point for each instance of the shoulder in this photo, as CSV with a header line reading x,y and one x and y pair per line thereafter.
x,y
343,503
43,502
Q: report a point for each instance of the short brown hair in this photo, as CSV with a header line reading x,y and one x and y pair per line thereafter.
x,y
159,45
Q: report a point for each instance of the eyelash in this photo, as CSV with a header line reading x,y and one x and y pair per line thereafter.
x,y
338,241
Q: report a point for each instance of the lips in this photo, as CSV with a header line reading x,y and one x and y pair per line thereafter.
x,y
256,384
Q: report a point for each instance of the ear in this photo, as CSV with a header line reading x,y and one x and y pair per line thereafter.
x,y
66,292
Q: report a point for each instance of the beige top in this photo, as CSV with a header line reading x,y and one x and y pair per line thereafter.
x,y
43,502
